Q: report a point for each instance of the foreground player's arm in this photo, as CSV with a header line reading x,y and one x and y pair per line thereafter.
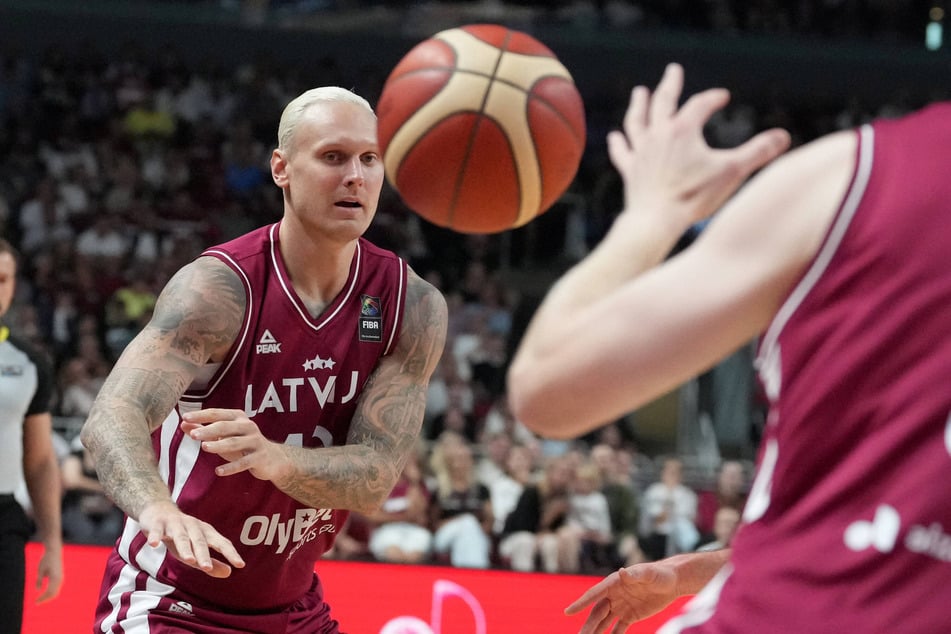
x,y
619,330
642,590
41,472
359,475
195,320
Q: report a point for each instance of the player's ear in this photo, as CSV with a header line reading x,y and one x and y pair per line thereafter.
x,y
279,167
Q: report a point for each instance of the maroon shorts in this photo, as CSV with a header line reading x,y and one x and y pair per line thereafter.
x,y
309,615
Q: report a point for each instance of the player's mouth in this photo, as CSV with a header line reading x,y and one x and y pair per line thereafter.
x,y
349,204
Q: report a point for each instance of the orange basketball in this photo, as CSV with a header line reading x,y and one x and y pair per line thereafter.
x,y
481,128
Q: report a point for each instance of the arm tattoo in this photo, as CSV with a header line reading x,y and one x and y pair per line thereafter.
x,y
388,419
196,318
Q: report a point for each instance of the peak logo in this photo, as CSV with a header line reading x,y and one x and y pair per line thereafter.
x,y
268,344
182,607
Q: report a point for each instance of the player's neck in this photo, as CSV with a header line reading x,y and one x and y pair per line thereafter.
x,y
317,271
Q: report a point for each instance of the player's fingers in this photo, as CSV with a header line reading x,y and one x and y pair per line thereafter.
x,y
637,575
761,149
223,545
591,595
595,622
211,415
635,119
620,627
619,149
219,570
664,103
53,585
155,536
701,106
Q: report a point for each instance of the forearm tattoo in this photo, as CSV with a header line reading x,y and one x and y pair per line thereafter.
x,y
197,316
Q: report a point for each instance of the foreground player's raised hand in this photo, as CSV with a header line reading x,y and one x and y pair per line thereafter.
x,y
665,162
188,539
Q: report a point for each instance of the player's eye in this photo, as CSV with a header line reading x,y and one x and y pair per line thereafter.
x,y
370,159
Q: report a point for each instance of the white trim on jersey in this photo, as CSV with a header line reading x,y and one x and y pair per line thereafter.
x,y
863,171
290,294
397,316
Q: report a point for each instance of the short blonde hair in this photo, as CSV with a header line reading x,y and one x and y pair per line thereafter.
x,y
294,111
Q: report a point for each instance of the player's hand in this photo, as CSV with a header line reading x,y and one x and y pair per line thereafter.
x,y
665,162
229,433
188,539
626,596
50,571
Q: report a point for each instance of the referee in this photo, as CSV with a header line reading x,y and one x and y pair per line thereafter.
x,y
26,453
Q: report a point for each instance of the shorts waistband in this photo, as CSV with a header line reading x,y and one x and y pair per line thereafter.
x,y
7,497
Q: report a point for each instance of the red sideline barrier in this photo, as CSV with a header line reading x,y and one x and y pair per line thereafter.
x,y
367,598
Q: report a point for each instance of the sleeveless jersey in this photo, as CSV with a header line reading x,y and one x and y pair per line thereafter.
x,y
848,525
299,378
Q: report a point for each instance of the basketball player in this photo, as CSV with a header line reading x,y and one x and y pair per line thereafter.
x,y
279,385
26,453
837,256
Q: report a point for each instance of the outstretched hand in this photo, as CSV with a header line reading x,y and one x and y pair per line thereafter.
x,y
664,160
627,596
188,539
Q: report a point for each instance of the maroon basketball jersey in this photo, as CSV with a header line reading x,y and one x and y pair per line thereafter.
x,y
848,526
299,378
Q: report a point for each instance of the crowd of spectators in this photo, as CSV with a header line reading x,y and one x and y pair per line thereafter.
x,y
115,171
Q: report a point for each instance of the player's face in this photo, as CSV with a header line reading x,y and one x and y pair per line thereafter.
x,y
331,173
8,270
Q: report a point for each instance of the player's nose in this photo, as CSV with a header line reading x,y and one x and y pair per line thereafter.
x,y
355,172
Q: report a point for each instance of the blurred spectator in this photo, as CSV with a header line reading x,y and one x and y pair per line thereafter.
x,y
499,419
725,525
588,524
494,450
457,420
129,309
104,244
668,513
623,502
461,508
505,490
89,517
78,388
43,218
400,529
530,536
730,491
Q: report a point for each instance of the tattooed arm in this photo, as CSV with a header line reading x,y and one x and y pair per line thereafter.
x,y
359,475
195,320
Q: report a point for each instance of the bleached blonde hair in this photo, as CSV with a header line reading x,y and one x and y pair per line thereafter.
x,y
295,110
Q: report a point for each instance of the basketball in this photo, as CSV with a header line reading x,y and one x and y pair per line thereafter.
x,y
481,128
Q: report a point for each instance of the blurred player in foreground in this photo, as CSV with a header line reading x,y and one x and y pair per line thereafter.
x,y
279,385
836,256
